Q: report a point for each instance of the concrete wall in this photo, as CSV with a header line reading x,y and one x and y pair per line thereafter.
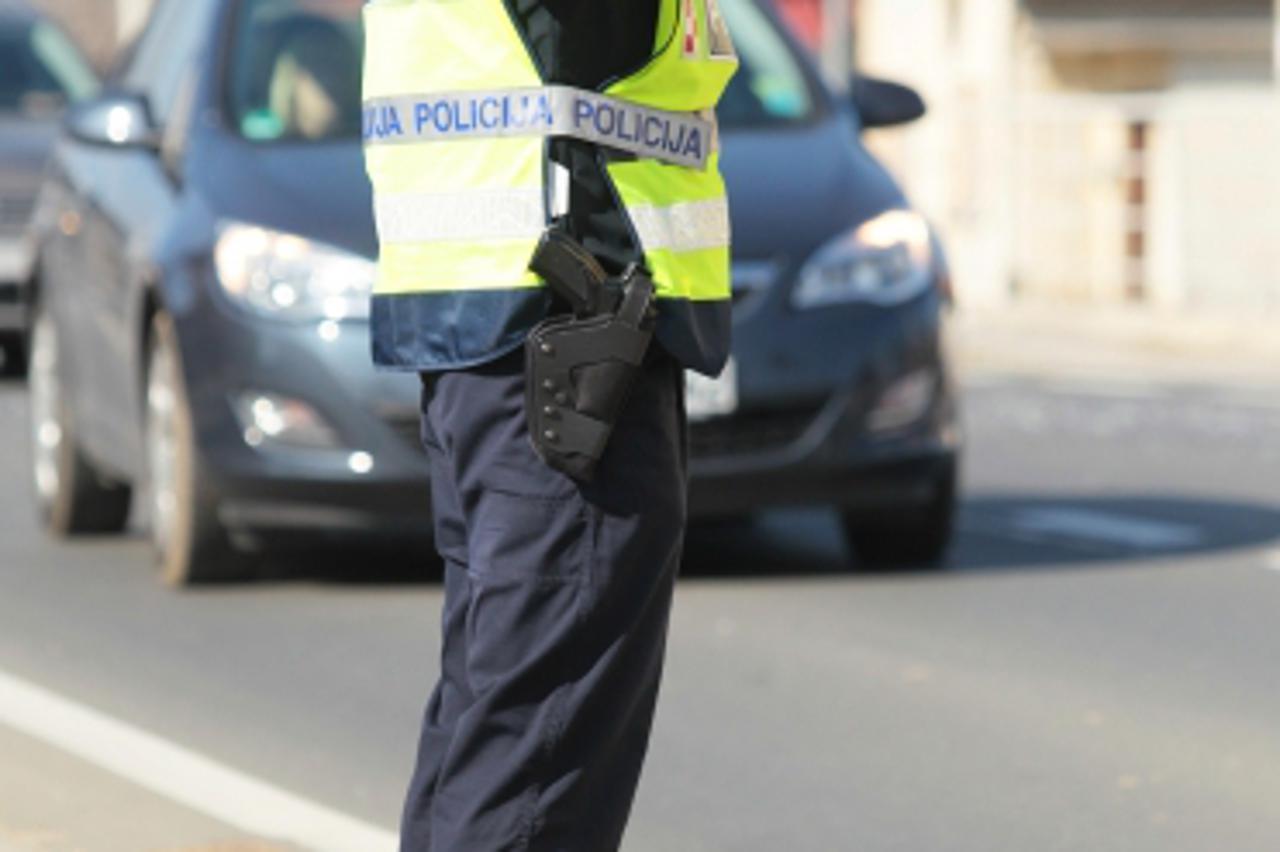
x,y
92,24
1108,157
955,162
1215,208
99,26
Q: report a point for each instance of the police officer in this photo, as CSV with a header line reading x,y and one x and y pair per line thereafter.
x,y
575,138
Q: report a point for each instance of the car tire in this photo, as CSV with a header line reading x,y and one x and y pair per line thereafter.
x,y
72,496
14,352
190,544
918,537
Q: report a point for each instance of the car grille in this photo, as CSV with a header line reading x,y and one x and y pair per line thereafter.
x,y
751,431
741,434
15,211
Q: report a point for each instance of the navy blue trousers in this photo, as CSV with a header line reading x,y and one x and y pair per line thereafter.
x,y
556,606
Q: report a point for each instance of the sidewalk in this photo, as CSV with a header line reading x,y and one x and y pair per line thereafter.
x,y
1117,344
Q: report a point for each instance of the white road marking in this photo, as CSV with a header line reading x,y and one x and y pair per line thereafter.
x,y
1141,533
183,775
1271,561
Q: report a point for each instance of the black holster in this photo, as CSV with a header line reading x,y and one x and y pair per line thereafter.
x,y
580,371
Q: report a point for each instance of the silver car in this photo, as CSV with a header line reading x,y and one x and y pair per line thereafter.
x,y
40,72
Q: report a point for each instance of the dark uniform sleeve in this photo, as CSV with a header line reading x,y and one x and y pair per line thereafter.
x,y
588,43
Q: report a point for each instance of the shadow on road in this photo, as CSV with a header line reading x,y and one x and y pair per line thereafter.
x,y
1014,531
784,543
353,563
995,533
998,532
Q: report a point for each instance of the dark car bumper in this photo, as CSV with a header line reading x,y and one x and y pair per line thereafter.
x,y
806,433
828,463
373,478
290,508
850,407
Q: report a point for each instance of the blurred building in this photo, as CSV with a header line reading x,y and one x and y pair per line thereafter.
x,y
100,26
1092,150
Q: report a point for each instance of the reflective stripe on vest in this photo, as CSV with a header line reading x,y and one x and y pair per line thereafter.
x,y
684,139
685,226
431,217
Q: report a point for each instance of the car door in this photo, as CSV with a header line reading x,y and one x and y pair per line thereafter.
x,y
128,201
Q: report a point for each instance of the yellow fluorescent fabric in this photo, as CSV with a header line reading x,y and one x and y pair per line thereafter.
x,y
697,276
417,48
701,273
456,166
445,267
682,75
658,183
674,79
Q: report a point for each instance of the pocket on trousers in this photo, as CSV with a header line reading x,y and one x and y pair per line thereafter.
x,y
520,538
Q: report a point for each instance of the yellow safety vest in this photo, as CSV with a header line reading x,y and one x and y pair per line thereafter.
x,y
456,118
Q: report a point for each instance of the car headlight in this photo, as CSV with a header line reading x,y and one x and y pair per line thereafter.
x,y
886,260
292,278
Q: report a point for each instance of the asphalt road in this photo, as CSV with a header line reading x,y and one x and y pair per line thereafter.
x,y
1097,669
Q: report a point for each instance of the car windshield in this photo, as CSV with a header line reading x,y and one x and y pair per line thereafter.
x,y
40,70
770,87
295,72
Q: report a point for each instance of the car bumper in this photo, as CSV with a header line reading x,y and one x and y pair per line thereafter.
x,y
373,475
802,436
285,506
866,425
829,466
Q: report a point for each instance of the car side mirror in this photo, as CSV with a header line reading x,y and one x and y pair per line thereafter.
x,y
115,120
881,103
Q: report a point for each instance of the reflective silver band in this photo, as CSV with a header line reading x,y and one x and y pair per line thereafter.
x,y
518,214
436,217
684,139
688,226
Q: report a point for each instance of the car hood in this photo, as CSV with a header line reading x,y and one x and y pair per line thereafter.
x,y
793,189
317,190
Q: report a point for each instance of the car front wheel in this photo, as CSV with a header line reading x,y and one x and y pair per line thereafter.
x,y
190,544
72,496
910,537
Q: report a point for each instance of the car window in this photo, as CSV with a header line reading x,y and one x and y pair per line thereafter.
x,y
40,68
771,86
295,70
176,34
